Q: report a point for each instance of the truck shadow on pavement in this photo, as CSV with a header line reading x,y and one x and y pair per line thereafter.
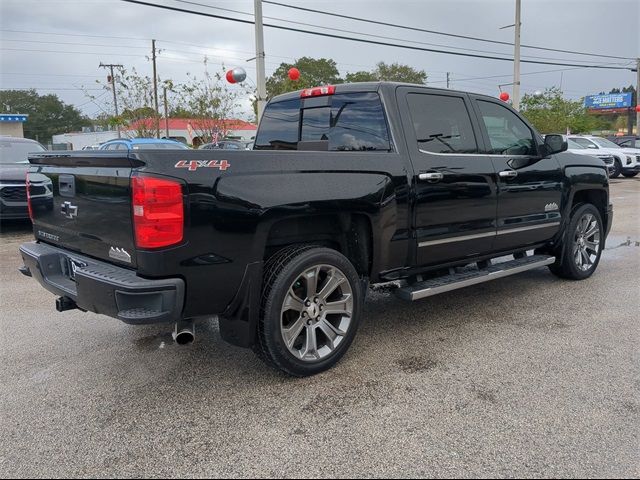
x,y
395,335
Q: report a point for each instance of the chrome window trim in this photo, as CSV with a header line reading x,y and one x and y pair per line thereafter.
x,y
475,154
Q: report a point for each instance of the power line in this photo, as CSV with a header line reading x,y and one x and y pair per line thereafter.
x,y
372,42
384,37
81,53
466,37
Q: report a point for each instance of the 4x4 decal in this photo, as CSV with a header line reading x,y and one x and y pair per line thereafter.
x,y
193,165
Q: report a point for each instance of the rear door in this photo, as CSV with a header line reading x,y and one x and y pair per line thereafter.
x,y
89,207
529,187
454,185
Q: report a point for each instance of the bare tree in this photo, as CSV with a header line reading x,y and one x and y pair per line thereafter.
x,y
211,102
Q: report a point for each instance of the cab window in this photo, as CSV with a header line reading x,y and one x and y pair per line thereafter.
x,y
507,133
442,123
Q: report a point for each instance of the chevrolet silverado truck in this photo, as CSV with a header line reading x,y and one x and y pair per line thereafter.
x,y
347,186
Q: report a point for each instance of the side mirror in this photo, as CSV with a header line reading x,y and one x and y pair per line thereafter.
x,y
554,144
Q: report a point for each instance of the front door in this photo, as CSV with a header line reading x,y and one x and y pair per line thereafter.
x,y
454,186
529,187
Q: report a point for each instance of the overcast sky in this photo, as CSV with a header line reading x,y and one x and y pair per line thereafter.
x,y
32,56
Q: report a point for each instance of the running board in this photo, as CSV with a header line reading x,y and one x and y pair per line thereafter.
x,y
454,281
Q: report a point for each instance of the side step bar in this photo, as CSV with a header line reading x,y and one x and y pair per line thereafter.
x,y
467,278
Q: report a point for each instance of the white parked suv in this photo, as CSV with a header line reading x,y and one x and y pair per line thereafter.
x,y
607,158
626,160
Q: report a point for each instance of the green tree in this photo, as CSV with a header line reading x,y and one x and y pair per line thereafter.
x,y
360,76
48,115
552,113
313,72
394,72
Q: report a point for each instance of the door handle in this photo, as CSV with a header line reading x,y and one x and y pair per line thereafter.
x,y
508,174
431,176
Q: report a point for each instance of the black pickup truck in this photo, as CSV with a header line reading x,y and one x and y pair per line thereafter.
x,y
347,186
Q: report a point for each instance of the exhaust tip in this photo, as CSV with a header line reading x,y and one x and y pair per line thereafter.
x,y
184,333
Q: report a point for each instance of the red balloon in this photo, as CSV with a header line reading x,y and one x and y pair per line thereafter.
x,y
637,108
504,96
294,74
229,76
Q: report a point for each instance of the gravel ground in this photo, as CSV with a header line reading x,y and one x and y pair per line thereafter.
x,y
521,377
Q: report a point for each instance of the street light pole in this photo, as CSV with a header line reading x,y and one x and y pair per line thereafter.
x,y
637,96
155,88
260,75
516,60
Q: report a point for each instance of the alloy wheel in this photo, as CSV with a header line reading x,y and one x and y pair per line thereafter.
x,y
316,312
586,245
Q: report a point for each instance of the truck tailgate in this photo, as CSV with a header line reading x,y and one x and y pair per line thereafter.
x,y
89,209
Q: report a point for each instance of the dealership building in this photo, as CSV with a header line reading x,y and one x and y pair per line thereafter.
x,y
11,124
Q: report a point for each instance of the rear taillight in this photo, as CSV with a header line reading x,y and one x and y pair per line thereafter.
x,y
158,211
27,185
318,91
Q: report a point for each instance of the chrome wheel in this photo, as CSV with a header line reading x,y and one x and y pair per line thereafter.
x,y
586,245
317,312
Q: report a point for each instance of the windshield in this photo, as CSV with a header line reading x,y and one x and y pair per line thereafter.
x,y
575,145
160,146
604,143
17,152
583,142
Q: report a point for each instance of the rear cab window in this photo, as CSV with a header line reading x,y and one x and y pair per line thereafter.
x,y
347,122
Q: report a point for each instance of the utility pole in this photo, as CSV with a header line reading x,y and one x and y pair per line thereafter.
x,y
260,75
447,79
155,88
112,80
516,60
637,96
166,113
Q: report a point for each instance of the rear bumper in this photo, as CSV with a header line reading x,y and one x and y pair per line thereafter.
x,y
104,288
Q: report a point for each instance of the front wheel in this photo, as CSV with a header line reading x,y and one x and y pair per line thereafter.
x,y
617,169
311,308
581,244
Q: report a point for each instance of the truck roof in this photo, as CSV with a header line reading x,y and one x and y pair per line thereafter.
x,y
368,87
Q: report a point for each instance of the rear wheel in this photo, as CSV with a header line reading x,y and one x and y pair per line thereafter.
x,y
310,312
630,174
582,244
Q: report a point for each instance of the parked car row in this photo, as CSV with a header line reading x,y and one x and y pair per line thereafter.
x,y
227,145
14,165
13,173
626,160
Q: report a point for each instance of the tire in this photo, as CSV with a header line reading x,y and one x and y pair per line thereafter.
x,y
630,174
581,245
617,169
306,329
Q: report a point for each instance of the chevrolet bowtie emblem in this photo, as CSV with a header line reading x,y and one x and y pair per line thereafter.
x,y
68,210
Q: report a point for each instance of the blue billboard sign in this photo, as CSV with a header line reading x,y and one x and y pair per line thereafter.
x,y
608,100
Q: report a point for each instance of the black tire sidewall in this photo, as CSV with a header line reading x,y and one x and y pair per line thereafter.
x,y
273,340
569,265
617,169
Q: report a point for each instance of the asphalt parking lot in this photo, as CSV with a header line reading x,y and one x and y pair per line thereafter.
x,y
524,376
